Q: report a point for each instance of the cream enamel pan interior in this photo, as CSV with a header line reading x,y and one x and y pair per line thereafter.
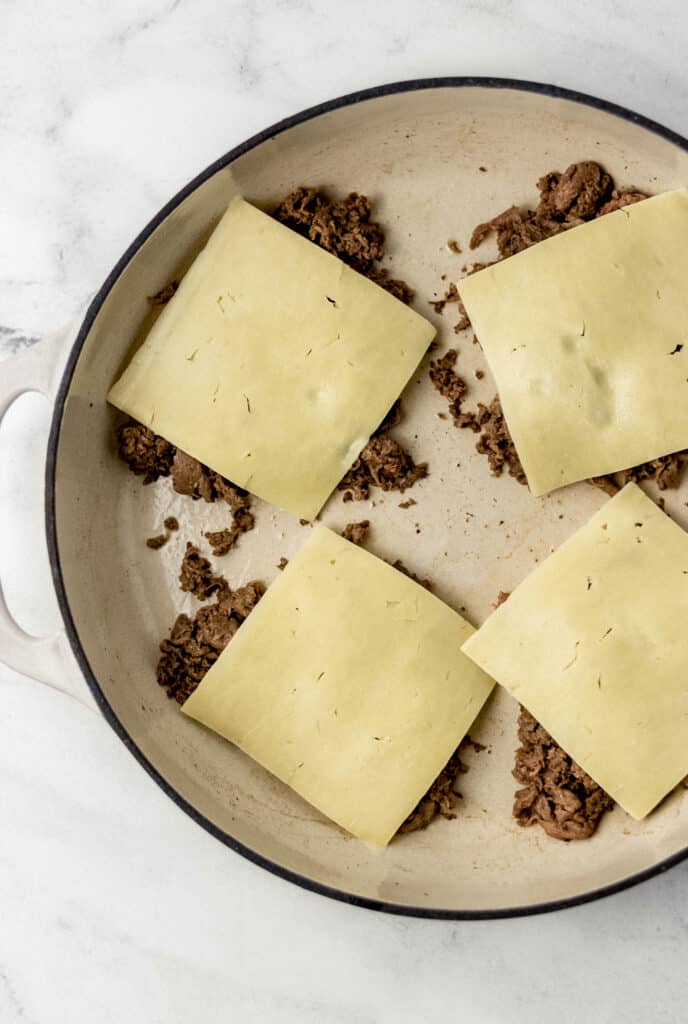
x,y
417,149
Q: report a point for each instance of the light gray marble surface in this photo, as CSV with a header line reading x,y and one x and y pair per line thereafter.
x,y
115,906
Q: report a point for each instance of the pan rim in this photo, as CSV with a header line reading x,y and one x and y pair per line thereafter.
x,y
347,100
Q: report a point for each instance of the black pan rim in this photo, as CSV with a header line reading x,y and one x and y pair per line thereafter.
x,y
350,99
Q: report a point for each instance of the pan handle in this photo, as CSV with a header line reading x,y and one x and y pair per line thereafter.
x,y
48,659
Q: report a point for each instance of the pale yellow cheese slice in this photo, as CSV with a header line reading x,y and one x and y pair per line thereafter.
x,y
587,337
274,362
347,682
594,644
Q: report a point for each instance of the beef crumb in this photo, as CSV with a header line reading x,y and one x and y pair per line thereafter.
x,y
581,193
192,478
399,289
283,563
356,532
666,472
145,453
409,503
194,644
342,227
488,421
157,542
171,523
400,567
557,794
495,441
222,541
149,455
451,295
605,483
383,463
454,246
440,799
162,297
447,381
196,575
620,198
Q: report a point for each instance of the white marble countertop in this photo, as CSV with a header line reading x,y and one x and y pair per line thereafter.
x,y
115,906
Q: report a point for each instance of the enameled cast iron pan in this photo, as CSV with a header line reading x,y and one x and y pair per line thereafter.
x,y
416,148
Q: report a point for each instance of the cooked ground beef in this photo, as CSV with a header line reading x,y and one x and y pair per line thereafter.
x,y
400,567
146,454
356,532
196,643
557,794
440,799
383,463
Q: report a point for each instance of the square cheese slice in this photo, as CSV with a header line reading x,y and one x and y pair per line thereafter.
x,y
594,644
348,683
587,337
274,362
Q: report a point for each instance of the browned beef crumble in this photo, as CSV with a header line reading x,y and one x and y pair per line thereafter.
x,y
191,478
399,289
447,381
356,532
283,563
605,483
162,297
451,295
146,454
665,471
400,567
440,799
222,541
157,542
557,794
488,421
495,441
196,575
342,227
196,643
383,463
392,419
620,198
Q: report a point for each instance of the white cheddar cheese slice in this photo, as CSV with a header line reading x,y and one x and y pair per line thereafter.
x,y
348,683
594,644
273,362
587,337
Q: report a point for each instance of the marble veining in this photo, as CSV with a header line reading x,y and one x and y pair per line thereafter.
x,y
115,906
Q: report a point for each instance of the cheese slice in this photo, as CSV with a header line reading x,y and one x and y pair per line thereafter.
x,y
593,643
348,683
587,337
273,363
